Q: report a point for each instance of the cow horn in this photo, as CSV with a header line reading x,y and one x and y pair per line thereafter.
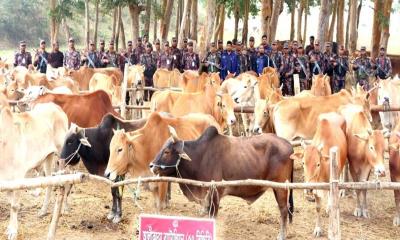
x,y
74,128
369,131
281,87
172,131
320,147
85,142
185,156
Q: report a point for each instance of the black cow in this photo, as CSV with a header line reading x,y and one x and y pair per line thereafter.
x,y
217,157
92,145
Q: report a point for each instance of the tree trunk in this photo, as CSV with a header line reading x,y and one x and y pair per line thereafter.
x,y
193,16
340,22
53,21
292,17
115,13
245,22
164,28
323,21
187,17
96,22
305,22
147,17
122,31
353,26
276,11
155,21
216,24
178,18
221,22
116,42
134,11
348,26
211,6
376,28
266,14
333,21
358,13
385,26
186,12
299,21
66,29
87,35
236,16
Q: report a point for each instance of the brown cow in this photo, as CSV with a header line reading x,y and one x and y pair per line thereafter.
x,y
192,82
132,152
330,133
215,157
365,151
164,78
394,166
85,110
83,75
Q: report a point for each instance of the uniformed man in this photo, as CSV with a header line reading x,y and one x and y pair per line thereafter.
x,y
294,47
220,48
383,65
72,58
157,49
310,47
112,59
184,47
329,57
138,51
264,42
340,68
177,54
301,67
102,54
127,57
316,60
362,67
91,57
149,61
262,60
56,58
212,60
275,56
22,58
228,61
165,60
41,58
243,58
145,40
190,60
252,53
286,71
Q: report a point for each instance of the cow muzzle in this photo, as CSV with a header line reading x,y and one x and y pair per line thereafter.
x,y
231,119
110,175
257,129
380,170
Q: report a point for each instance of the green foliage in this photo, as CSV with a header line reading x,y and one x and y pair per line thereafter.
x,y
230,7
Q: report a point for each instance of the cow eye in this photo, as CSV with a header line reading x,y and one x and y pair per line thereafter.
x,y
167,152
265,113
318,164
245,86
69,143
119,150
371,148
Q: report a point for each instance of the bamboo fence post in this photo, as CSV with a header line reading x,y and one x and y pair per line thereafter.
x,y
57,207
334,214
124,90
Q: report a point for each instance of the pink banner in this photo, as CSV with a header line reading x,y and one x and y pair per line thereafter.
x,y
156,227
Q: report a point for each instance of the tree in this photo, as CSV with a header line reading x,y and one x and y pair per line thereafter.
x,y
193,16
186,12
266,14
292,9
376,28
276,11
118,27
53,21
96,23
340,22
299,20
134,10
211,6
236,15
178,17
387,8
165,20
87,26
333,21
114,23
147,17
353,26
323,21
306,10
245,22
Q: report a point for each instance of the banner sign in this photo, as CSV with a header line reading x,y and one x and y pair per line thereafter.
x,y
156,227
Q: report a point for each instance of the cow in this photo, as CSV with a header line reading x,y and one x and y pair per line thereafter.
x,y
92,146
330,132
11,91
132,152
136,80
320,85
26,78
84,110
163,101
164,78
83,75
388,94
210,158
3,101
365,151
269,78
29,141
193,82
101,81
394,167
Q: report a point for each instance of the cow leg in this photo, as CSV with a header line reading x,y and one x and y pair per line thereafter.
x,y
365,212
396,219
65,207
112,213
318,230
12,228
47,165
281,197
245,124
118,206
230,130
160,196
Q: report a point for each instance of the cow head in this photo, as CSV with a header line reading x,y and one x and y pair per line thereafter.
x,y
387,96
168,159
123,155
226,107
247,91
320,85
33,92
374,148
75,142
261,115
362,98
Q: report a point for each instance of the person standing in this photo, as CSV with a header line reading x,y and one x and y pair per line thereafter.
x,y
177,55
157,49
102,54
91,58
190,60
184,48
252,55
112,56
340,68
127,57
165,60
316,60
41,58
301,67
329,58
262,60
383,65
310,47
149,61
228,61
362,67
22,57
275,57
220,48
264,42
286,72
243,58
56,58
138,51
72,58
212,60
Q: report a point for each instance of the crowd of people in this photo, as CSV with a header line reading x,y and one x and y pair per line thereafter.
x,y
233,58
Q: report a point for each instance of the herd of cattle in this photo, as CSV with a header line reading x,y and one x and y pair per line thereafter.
x,y
182,134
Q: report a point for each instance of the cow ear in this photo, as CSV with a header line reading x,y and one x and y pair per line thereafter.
x,y
298,156
361,136
320,147
74,128
85,142
185,156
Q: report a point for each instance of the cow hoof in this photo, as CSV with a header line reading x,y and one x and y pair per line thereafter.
x,y
358,212
111,216
117,219
396,221
281,237
365,213
11,233
317,232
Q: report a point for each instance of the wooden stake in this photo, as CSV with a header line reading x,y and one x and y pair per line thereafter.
x,y
334,215
123,91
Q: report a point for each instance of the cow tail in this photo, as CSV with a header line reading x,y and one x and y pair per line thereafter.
x,y
291,203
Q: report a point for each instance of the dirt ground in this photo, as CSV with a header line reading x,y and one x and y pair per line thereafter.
x,y
90,203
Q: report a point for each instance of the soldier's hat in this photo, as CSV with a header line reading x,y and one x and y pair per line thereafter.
x,y
91,42
190,44
285,45
275,42
185,40
149,45
101,41
220,41
363,48
166,43
251,39
112,42
239,43
300,46
382,47
157,41
139,39
129,42
328,44
212,44
341,47
22,43
145,35
42,41
316,42
71,39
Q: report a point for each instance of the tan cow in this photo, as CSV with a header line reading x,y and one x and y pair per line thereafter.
x,y
101,81
163,101
133,152
83,75
330,132
3,100
269,78
394,165
164,78
30,141
26,78
365,151
320,85
388,90
11,91
193,82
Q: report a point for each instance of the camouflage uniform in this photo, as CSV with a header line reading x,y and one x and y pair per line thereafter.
x,y
102,56
252,53
214,61
156,54
190,61
22,59
339,73
276,59
178,58
72,59
112,58
150,63
94,61
287,68
243,62
301,67
362,68
126,57
383,67
137,52
165,60
318,66
41,62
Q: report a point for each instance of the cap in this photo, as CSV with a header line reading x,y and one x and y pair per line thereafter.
x,y
316,42
149,45
166,43
174,39
382,47
212,44
220,41
275,42
146,35
101,41
239,43
341,47
251,39
71,39
300,46
129,42
190,44
363,48
285,45
157,41
91,42
42,41
55,42
22,42
112,42
328,44
139,39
